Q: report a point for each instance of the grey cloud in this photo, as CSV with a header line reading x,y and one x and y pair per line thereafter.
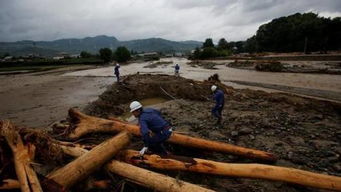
x,y
133,19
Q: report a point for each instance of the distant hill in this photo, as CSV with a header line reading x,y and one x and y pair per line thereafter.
x,y
93,44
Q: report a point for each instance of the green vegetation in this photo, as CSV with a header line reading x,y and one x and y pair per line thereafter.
x,y
40,64
208,43
122,54
85,54
31,68
93,44
208,50
106,54
299,32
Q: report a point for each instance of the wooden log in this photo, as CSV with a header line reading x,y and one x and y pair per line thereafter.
x,y
7,184
89,162
141,176
258,171
156,181
85,124
23,156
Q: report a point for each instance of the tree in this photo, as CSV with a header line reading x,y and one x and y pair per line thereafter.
x,y
105,54
196,53
122,54
208,43
298,32
208,52
85,54
222,44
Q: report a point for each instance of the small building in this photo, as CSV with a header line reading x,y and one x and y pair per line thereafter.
x,y
150,54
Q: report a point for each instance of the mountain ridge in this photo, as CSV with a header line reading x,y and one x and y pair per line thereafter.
x,y
93,44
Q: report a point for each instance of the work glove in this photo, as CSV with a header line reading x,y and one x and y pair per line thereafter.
x,y
143,150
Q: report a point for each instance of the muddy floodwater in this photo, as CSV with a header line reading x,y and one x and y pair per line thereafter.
x,y
306,84
39,99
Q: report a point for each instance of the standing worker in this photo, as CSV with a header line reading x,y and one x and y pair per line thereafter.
x,y
117,72
218,96
177,68
153,128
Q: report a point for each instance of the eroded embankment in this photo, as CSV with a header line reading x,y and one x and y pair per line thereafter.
x,y
304,133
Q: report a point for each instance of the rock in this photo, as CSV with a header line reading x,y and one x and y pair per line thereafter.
x,y
323,144
324,163
290,155
252,137
296,140
337,167
338,134
234,133
245,131
333,159
338,150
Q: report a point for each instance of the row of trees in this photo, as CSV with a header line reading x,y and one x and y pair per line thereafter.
x,y
299,32
209,50
121,54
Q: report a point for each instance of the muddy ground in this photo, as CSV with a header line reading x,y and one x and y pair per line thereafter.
x,y
321,67
304,133
38,100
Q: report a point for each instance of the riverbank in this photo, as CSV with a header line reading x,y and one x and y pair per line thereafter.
x,y
302,132
39,99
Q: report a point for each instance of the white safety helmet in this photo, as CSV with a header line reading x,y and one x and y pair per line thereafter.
x,y
213,88
135,105
117,64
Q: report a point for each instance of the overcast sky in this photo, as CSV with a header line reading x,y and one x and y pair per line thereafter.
x,y
136,19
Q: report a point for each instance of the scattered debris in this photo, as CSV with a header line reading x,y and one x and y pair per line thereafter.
x,y
303,133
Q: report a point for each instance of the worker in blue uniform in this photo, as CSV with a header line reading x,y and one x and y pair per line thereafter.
x,y
153,128
177,69
117,72
218,96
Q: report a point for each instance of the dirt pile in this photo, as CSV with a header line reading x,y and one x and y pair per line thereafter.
x,y
159,63
203,64
279,66
115,100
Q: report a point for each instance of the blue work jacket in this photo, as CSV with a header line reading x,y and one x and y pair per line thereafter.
x,y
218,96
117,70
151,120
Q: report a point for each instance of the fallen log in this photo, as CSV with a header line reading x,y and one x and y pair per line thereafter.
x,y
89,162
7,184
258,171
146,178
85,124
23,156
156,181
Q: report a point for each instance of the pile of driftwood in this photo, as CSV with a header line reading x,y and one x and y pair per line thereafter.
x,y
112,156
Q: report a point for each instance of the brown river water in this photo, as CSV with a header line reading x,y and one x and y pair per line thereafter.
x,y
227,75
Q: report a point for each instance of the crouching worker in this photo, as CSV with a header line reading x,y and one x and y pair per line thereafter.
x,y
153,128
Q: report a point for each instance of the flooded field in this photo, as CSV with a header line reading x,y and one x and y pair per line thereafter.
x,y
39,99
237,78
